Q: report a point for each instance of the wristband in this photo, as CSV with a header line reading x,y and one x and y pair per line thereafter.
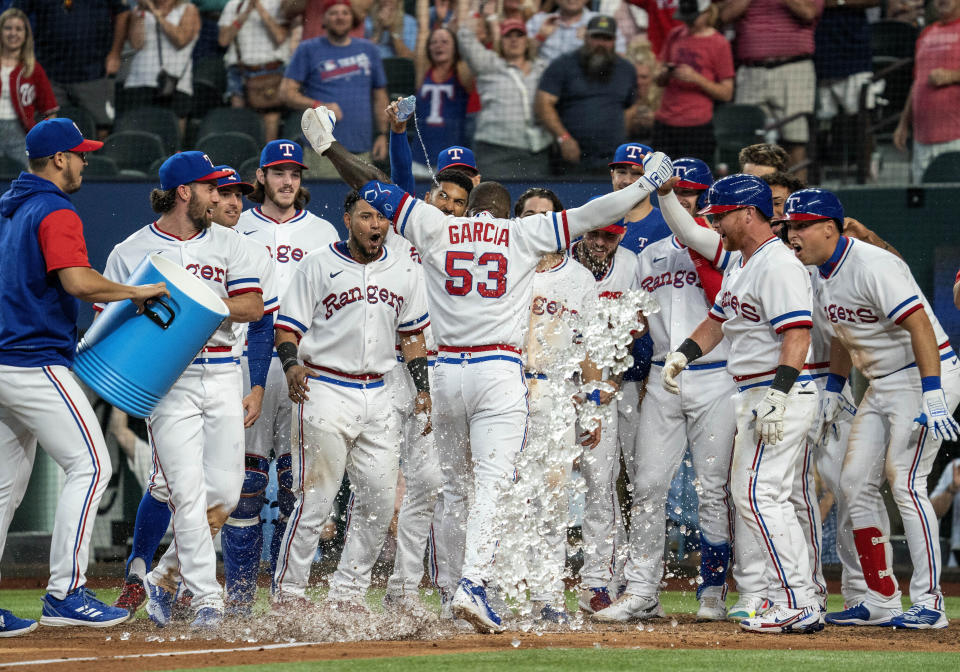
x,y
237,25
562,138
419,371
539,38
784,379
930,383
690,350
287,352
594,396
835,382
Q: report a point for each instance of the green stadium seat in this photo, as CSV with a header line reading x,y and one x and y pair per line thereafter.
x,y
230,148
9,168
736,126
133,150
100,166
81,117
233,120
401,77
160,120
944,168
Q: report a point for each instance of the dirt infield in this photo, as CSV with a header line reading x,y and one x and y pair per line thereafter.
x,y
107,650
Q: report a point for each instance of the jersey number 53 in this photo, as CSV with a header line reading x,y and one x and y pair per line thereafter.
x,y
460,282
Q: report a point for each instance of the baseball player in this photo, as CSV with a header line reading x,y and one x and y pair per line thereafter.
x,y
614,268
703,417
44,270
196,430
340,313
153,515
764,310
421,509
289,232
883,325
479,271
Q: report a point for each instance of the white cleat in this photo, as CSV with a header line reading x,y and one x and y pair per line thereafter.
x,y
712,605
784,620
747,606
317,124
630,607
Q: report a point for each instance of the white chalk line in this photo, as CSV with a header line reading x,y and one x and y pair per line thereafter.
x,y
259,647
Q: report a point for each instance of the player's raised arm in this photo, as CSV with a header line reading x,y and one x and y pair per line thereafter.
x,y
317,125
703,240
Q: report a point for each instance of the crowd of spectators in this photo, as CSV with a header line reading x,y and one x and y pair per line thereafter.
x,y
536,86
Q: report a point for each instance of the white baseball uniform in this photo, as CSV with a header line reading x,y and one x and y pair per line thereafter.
x,y
200,420
604,536
419,462
701,415
865,293
566,287
347,315
758,300
479,275
288,243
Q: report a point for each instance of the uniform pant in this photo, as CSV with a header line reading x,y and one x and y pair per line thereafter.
x,y
46,404
829,457
341,428
420,465
480,417
762,479
884,445
271,431
196,432
702,415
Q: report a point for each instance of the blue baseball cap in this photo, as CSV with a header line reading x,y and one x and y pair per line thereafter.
x,y
734,192
233,180
58,135
187,167
456,157
281,151
630,153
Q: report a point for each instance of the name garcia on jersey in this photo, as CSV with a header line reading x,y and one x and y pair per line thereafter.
x,y
478,232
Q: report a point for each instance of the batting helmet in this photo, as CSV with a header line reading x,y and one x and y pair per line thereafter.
x,y
739,191
812,204
693,173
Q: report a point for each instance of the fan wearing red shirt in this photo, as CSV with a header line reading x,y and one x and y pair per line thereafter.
x,y
696,69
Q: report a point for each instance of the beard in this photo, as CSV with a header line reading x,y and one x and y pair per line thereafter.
x,y
598,63
197,213
276,196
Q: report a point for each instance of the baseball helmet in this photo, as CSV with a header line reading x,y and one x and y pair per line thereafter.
x,y
813,204
738,191
693,174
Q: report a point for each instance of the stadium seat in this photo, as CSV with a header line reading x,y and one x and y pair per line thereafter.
x,y
401,77
735,127
233,120
209,83
134,150
944,168
248,169
893,39
155,168
81,117
160,120
100,166
9,169
230,148
290,126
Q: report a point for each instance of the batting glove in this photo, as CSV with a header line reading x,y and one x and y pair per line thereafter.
x,y
317,124
672,366
935,414
769,414
657,169
827,413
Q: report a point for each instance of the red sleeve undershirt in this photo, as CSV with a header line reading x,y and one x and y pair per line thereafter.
x,y
61,240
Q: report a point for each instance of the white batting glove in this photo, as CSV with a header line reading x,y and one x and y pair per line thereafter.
x,y
935,414
657,169
769,415
672,366
317,124
827,413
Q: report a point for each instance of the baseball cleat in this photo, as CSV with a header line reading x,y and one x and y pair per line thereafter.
x,y
317,125
13,626
80,607
497,602
470,604
712,605
132,596
553,615
446,605
748,606
159,603
784,620
593,600
208,618
919,617
630,607
862,614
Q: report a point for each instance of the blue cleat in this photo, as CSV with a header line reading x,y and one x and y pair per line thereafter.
x,y
862,614
208,618
550,614
159,603
13,626
919,617
81,607
470,604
